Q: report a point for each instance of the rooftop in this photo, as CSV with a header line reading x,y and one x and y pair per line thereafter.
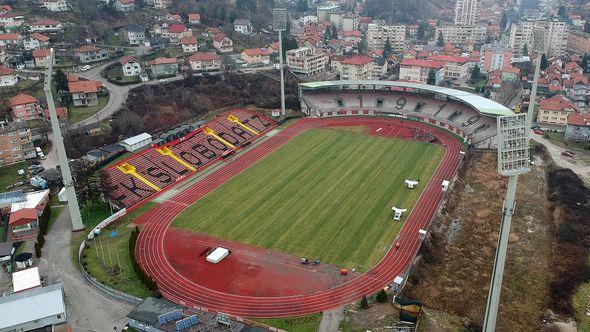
x,y
84,86
576,119
87,48
22,99
163,61
204,56
358,60
40,303
422,63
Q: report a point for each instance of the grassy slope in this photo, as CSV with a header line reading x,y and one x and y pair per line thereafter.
x,y
79,113
9,175
325,194
296,324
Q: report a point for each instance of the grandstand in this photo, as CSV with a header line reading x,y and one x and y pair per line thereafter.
x,y
468,115
164,163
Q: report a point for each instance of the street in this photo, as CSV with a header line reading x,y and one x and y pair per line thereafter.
x,y
579,167
88,308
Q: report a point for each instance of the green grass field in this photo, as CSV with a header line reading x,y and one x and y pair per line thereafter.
x,y
327,194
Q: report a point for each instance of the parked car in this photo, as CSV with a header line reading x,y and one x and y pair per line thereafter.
x,y
304,260
37,170
539,132
85,68
570,152
567,154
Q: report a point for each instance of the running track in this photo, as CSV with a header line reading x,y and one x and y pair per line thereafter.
x,y
175,287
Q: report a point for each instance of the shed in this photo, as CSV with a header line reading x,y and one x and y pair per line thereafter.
x,y
137,142
23,260
26,279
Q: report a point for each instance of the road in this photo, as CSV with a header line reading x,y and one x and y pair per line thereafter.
x,y
578,166
331,320
88,308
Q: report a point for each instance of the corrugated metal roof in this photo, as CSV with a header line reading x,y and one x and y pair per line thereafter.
x,y
31,305
26,279
483,105
136,139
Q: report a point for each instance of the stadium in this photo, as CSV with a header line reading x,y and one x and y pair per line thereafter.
x,y
323,187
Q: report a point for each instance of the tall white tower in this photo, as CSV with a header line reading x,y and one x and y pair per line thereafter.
x,y
465,11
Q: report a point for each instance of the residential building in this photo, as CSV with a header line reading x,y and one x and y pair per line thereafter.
x,y
85,93
494,57
556,36
46,25
578,42
462,34
176,31
130,66
256,56
124,6
578,127
134,34
189,44
465,11
306,61
456,67
7,77
222,43
11,21
418,70
194,18
16,143
42,57
324,11
349,22
359,67
243,26
205,61
24,107
23,224
378,35
161,4
10,39
55,5
555,110
38,308
90,53
579,94
162,67
35,40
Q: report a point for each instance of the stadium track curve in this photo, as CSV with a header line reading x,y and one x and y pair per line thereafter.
x,y
175,287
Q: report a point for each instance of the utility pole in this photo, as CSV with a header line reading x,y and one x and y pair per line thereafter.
x,y
280,25
514,132
58,140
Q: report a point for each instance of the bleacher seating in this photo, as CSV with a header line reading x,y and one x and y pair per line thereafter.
x,y
149,171
453,115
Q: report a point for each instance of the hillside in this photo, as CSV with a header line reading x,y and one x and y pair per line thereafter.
x,y
407,11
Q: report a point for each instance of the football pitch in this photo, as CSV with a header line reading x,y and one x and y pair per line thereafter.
x,y
326,194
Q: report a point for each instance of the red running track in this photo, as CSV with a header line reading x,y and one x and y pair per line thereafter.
x,y
175,287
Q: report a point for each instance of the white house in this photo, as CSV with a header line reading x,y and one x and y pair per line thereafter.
x,y
55,5
124,6
35,41
205,61
46,25
243,26
130,66
7,77
134,34
136,142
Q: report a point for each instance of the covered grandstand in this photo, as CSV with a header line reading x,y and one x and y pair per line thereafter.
x,y
468,115
185,152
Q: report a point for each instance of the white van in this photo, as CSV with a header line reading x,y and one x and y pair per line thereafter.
x,y
85,68
40,153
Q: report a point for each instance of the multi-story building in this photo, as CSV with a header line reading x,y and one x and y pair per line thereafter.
x,y
462,34
349,22
324,11
11,21
205,61
7,77
134,34
256,56
90,53
194,18
10,39
494,57
555,110
85,93
35,40
24,107
306,61
456,67
578,42
378,35
46,25
162,67
124,6
465,11
55,5
418,70
130,66
42,57
189,44
16,143
243,26
578,127
361,67
222,43
556,36
161,4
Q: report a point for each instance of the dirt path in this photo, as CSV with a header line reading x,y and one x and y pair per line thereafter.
x,y
88,308
331,320
578,166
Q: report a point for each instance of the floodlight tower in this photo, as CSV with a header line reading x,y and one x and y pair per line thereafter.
x,y
279,23
58,140
514,132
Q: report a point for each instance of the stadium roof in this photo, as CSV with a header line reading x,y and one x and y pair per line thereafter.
x,y
480,103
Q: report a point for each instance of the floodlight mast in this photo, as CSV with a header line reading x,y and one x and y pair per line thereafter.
x,y
280,25
514,133
77,224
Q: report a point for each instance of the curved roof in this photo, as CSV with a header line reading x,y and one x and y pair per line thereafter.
x,y
483,105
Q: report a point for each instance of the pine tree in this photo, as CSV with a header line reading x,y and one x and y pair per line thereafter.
x,y
503,21
584,64
475,74
421,31
386,49
364,302
525,49
431,77
381,296
441,40
61,80
587,26
544,63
